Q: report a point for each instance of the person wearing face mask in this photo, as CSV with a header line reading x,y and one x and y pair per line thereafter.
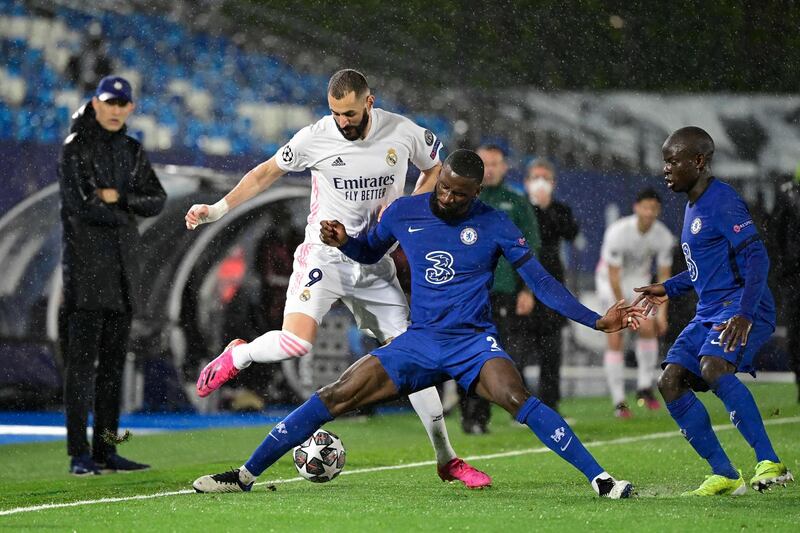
x,y
556,223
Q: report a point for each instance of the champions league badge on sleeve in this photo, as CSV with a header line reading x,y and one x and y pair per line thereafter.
x,y
429,137
696,226
469,236
287,155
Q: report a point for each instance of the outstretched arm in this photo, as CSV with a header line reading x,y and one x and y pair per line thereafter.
x,y
555,296
367,249
678,284
254,182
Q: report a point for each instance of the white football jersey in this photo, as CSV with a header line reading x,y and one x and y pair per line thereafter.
x,y
626,247
351,181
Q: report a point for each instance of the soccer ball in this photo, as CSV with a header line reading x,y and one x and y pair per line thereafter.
x,y
321,458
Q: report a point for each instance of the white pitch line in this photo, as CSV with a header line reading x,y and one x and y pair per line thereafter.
x,y
512,453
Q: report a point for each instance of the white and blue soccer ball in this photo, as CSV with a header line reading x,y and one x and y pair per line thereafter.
x,y
321,458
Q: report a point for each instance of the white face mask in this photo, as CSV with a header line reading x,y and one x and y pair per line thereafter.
x,y
539,190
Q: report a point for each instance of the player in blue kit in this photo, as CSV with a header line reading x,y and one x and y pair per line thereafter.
x,y
727,267
453,242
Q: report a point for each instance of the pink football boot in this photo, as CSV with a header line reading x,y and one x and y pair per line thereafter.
x,y
218,371
460,470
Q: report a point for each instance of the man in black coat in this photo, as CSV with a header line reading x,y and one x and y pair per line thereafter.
x,y
106,181
556,223
785,227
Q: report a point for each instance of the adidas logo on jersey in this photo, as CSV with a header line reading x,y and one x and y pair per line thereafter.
x,y
338,162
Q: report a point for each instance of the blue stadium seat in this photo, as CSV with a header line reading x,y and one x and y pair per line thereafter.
x,y
162,51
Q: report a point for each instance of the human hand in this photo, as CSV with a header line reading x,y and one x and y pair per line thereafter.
x,y
107,195
203,213
332,233
652,296
735,331
620,316
525,303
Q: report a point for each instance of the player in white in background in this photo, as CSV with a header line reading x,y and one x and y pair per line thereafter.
x,y
358,157
626,259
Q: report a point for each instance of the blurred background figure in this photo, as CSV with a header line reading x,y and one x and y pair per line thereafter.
x,y
556,224
630,246
105,181
92,63
510,298
785,227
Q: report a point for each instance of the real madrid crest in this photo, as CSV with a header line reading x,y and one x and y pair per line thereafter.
x,y
469,236
696,226
305,295
391,157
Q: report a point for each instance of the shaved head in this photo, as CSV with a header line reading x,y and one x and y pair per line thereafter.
x,y
687,161
693,140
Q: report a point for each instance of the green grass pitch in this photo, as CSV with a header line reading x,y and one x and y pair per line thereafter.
x,y
533,490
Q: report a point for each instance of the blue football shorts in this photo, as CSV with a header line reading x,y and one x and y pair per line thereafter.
x,y
699,339
417,359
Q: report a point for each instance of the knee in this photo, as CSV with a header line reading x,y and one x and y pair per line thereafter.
x,y
293,345
713,368
671,383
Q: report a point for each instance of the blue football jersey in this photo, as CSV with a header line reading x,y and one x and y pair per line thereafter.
x,y
452,265
716,230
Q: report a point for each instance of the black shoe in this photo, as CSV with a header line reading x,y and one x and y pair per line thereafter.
x,y
83,465
117,463
225,482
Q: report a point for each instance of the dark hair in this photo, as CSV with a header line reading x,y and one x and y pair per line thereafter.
x,y
542,162
648,194
346,81
492,148
466,164
694,138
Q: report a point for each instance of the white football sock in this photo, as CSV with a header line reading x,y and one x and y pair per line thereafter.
x,y
428,406
270,347
646,356
245,476
614,365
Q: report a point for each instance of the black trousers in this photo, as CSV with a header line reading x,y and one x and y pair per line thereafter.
x,y
545,344
94,358
792,314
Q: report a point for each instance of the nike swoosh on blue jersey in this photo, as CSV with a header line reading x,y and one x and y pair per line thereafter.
x,y
414,230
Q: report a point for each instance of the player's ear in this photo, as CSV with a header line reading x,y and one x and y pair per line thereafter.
x,y
370,100
700,161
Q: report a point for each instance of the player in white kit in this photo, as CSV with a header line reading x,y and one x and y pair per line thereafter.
x,y
358,157
626,260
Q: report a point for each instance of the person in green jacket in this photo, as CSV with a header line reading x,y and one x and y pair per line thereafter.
x,y
510,298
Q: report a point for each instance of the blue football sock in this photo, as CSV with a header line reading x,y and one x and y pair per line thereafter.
x,y
293,430
692,418
556,434
745,416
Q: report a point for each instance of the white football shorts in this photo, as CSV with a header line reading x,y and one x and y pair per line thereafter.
x,y
606,295
322,275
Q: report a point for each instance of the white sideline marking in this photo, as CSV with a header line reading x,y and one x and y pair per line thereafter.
x,y
512,453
